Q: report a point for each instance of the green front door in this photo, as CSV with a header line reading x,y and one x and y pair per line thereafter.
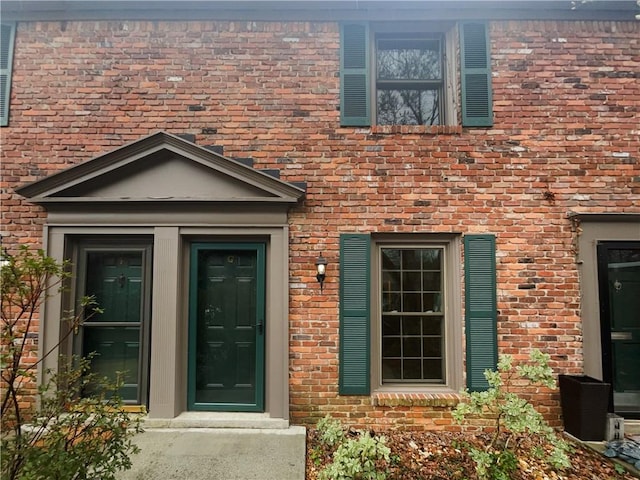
x,y
227,327
117,280
619,278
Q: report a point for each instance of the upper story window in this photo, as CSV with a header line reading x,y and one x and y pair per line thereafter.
x,y
409,80
415,74
7,35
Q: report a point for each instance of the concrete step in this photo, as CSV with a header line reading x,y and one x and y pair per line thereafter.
x,y
219,454
218,420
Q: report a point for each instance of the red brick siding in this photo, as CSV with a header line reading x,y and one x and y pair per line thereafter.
x,y
566,137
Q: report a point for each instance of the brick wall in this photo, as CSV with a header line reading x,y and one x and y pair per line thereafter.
x,y
566,138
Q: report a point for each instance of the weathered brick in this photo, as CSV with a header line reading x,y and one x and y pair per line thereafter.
x,y
561,110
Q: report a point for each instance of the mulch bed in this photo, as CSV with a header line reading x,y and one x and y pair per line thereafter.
x,y
427,455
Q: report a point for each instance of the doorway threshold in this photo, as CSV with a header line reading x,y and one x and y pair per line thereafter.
x,y
218,420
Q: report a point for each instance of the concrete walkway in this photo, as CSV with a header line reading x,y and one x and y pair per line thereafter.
x,y
219,454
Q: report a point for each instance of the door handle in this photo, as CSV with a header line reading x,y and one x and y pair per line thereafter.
x,y
621,336
260,327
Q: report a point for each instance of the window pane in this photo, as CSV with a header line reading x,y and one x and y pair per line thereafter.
x,y
431,281
431,258
411,302
391,302
390,258
408,59
411,326
432,326
416,353
433,369
412,369
411,259
391,347
432,302
411,347
390,281
115,279
391,326
391,369
117,350
408,107
432,347
411,282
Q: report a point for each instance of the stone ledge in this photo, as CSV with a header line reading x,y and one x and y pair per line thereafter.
x,y
448,400
416,129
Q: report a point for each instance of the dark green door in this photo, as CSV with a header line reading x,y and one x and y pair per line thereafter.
x,y
619,278
226,335
117,280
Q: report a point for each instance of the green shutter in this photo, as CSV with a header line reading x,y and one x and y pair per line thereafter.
x,y
475,62
7,35
354,74
481,308
354,313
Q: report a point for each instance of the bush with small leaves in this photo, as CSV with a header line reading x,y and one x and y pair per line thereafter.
x,y
512,417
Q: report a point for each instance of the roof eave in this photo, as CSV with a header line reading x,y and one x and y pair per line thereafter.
x,y
316,10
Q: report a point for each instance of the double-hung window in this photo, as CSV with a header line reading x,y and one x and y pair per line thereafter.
x,y
409,79
415,74
402,326
412,314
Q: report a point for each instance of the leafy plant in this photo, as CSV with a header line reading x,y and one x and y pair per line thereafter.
x,y
330,431
316,456
66,435
73,437
512,417
356,458
496,465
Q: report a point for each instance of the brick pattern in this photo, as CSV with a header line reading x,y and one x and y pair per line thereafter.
x,y
566,138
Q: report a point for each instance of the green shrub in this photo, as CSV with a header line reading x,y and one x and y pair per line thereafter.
x,y
358,458
66,434
73,437
330,431
512,417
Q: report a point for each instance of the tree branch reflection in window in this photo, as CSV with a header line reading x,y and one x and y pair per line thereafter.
x,y
409,81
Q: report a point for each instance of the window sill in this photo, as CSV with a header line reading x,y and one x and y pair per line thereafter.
x,y
416,129
388,399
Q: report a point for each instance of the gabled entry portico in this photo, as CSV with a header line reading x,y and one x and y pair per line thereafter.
x,y
157,201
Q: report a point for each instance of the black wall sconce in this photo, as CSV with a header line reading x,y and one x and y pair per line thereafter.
x,y
321,268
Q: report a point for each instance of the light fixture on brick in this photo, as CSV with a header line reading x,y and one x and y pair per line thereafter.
x,y
321,268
